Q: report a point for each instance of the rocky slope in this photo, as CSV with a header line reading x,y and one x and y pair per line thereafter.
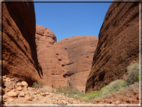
x,y
19,54
117,47
19,92
67,62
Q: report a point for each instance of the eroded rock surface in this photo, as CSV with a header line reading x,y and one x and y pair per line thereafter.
x,y
75,55
44,37
52,70
118,45
19,54
67,62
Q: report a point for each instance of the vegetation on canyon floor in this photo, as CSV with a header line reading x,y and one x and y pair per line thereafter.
x,y
38,85
133,73
70,92
131,82
132,78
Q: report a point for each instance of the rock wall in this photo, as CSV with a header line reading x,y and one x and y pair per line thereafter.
x,y
19,54
118,45
52,70
75,55
44,37
67,62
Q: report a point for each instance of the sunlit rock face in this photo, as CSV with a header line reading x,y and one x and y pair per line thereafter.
x,y
19,54
75,55
44,37
52,70
118,45
67,62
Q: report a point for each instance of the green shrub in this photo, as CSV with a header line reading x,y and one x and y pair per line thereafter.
x,y
113,87
110,88
90,96
133,73
46,88
38,85
70,92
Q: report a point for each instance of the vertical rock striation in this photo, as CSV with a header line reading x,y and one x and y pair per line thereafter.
x,y
67,62
19,54
118,45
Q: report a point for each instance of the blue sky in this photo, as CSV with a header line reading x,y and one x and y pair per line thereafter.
x,y
71,19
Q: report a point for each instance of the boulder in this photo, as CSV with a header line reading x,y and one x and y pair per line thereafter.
x,y
19,49
12,94
118,45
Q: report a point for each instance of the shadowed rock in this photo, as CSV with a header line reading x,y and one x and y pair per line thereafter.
x,y
118,45
19,49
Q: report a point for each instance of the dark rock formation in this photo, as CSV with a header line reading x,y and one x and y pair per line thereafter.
x,y
118,45
19,54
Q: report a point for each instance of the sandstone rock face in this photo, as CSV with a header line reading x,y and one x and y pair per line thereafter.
x,y
67,62
75,55
52,70
44,37
19,49
118,45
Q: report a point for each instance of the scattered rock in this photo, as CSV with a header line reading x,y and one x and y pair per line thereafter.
x,y
29,98
10,100
63,98
47,93
5,97
117,102
57,99
1,90
12,94
127,101
19,84
43,94
19,88
35,93
7,90
22,94
55,102
30,88
24,83
70,100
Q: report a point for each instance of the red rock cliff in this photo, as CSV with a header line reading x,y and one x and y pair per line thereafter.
x,y
67,62
19,54
118,45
